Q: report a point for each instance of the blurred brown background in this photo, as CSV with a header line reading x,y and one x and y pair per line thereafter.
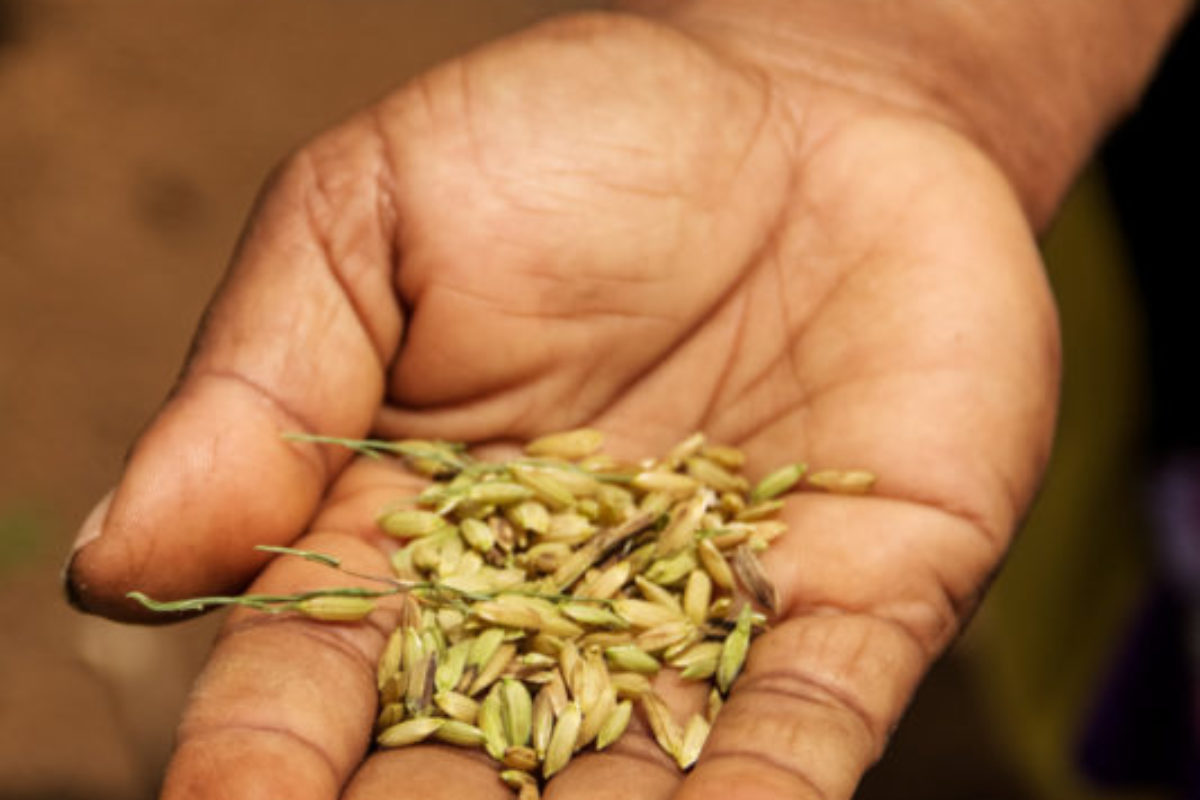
x,y
133,136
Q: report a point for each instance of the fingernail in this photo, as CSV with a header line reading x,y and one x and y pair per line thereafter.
x,y
88,532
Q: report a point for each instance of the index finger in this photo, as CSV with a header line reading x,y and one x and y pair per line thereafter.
x,y
286,705
295,340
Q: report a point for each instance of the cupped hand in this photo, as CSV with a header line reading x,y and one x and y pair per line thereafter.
x,y
601,222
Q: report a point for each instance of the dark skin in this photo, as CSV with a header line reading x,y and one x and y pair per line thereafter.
x,y
602,222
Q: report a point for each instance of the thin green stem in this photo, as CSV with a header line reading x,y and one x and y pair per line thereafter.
x,y
272,603
444,454
310,555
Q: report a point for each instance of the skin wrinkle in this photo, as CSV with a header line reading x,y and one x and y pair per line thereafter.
x,y
316,190
771,257
741,755
731,397
507,311
955,608
852,73
976,518
789,354
862,262
298,361
769,689
863,259
395,419
319,459
755,134
464,403
947,616
620,390
651,756
764,89
515,379
589,315
759,129
490,179
647,371
566,315
389,774
707,415
385,183
995,535
797,404
947,625
640,746
686,335
285,188
331,637
597,282
763,690
604,181
765,255
930,646
528,417
931,72
496,183
593,26
214,730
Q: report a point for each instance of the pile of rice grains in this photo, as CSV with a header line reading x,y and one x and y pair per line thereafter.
x,y
541,595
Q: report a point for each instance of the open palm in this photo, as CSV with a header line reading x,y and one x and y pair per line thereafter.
x,y
600,222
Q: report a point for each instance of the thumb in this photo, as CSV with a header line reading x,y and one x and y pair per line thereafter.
x,y
296,339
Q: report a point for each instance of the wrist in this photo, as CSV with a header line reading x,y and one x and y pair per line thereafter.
x,y
1034,85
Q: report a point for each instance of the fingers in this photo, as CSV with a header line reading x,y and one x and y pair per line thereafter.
x,y
811,711
295,340
871,591
285,706
428,773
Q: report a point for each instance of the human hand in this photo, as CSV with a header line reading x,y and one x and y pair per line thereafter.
x,y
602,222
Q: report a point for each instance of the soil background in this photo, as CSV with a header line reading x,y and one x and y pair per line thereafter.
x,y
133,137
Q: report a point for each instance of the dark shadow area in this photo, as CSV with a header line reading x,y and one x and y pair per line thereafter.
x,y
55,794
1152,164
1141,732
944,748
8,23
